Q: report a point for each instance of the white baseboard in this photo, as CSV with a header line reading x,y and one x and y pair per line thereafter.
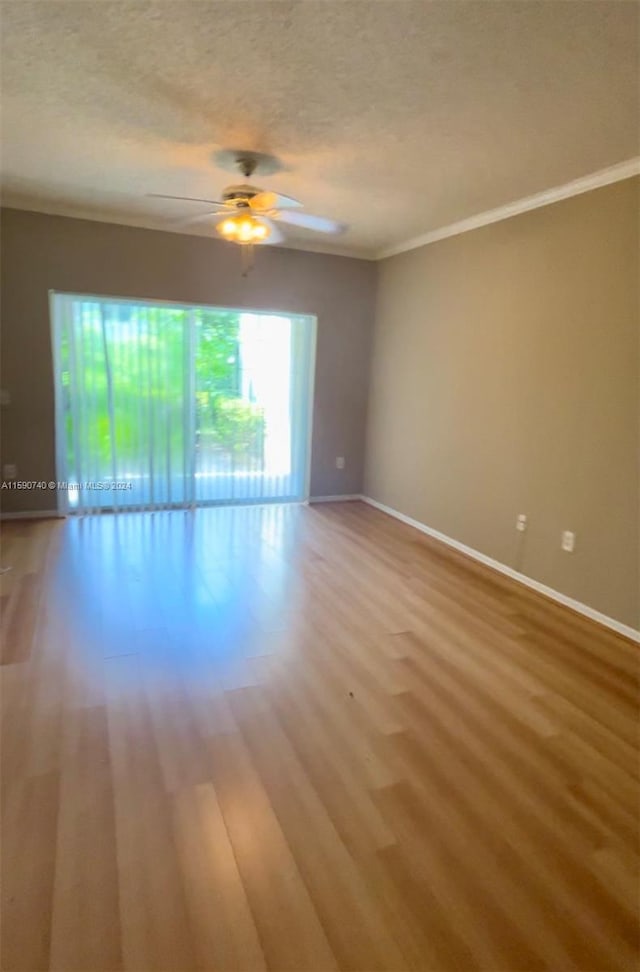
x,y
346,497
32,515
549,592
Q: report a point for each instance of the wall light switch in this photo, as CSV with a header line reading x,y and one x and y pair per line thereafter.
x,y
568,541
339,462
521,522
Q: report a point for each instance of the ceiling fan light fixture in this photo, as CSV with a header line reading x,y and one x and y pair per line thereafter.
x,y
243,228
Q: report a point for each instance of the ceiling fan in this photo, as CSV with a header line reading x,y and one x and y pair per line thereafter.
x,y
247,214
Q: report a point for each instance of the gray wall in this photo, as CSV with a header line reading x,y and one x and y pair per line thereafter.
x,y
505,381
41,252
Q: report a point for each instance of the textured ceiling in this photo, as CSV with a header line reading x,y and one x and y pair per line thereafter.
x,y
396,117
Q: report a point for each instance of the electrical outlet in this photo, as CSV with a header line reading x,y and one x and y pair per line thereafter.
x,y
9,471
521,522
339,462
568,541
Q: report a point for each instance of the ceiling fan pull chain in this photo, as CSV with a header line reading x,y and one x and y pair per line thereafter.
x,y
246,251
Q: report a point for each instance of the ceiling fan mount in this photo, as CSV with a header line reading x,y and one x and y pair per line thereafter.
x,y
247,164
231,159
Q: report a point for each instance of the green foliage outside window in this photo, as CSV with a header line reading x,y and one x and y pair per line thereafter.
x,y
147,350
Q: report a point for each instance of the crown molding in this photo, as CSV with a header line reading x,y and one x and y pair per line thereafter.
x,y
604,177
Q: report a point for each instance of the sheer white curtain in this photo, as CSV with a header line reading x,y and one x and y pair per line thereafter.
x,y
162,405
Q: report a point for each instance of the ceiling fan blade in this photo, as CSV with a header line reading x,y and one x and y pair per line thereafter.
x,y
204,216
159,195
318,223
266,201
275,236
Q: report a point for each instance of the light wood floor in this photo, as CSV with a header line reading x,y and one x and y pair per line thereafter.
x,y
299,738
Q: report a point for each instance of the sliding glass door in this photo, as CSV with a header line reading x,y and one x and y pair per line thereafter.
x,y
164,405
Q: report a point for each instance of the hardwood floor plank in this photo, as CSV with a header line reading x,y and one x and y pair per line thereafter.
x,y
19,620
29,822
85,920
335,771
224,933
347,910
289,927
153,914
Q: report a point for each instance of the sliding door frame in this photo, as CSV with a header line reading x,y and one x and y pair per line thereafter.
x,y
62,502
